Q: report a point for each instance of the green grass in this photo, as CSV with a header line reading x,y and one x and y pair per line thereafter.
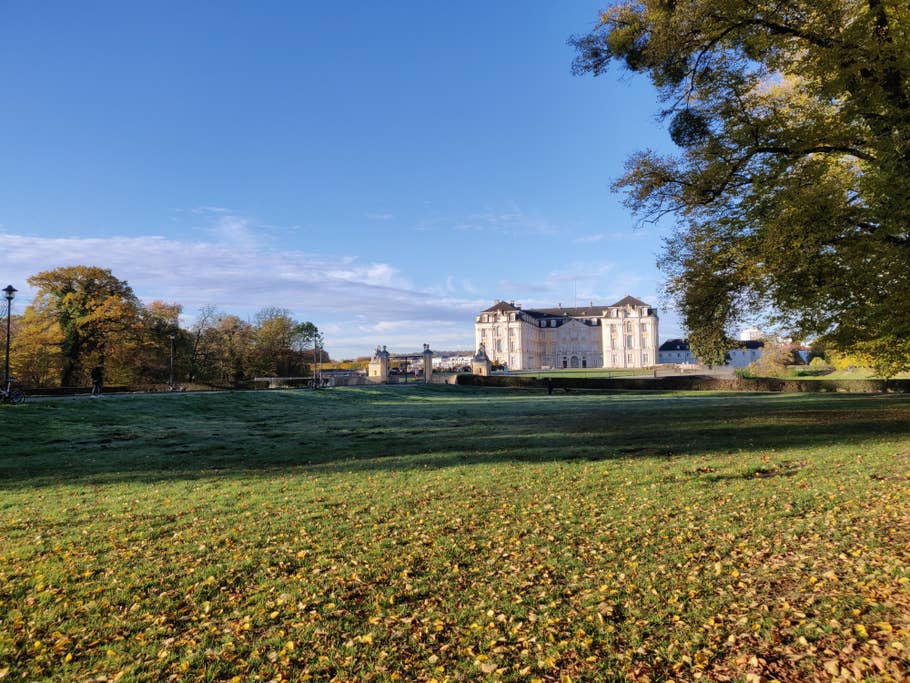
x,y
455,533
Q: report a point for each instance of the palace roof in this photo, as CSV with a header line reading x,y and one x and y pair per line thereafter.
x,y
588,311
501,307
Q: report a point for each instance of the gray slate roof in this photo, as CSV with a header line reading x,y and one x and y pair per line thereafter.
x,y
683,345
500,307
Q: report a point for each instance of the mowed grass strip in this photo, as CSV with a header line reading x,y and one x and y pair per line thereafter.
x,y
455,533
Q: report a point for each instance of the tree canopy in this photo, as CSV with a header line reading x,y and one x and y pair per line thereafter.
x,y
791,183
94,311
84,316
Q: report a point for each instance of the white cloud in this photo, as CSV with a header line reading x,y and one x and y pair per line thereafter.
x,y
210,210
617,236
239,274
511,221
600,282
379,216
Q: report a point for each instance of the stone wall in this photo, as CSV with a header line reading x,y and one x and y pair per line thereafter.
x,y
691,383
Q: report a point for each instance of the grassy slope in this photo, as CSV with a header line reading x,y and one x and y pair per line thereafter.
x,y
455,533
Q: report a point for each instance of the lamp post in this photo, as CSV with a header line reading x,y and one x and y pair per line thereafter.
x,y
172,337
316,362
10,292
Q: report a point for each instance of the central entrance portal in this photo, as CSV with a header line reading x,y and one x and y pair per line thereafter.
x,y
392,368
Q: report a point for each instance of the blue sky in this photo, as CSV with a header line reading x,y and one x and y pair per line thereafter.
x,y
385,170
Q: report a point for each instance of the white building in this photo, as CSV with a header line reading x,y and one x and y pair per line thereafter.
x,y
677,352
751,334
623,335
452,361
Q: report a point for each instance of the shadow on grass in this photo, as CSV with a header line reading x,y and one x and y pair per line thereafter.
x,y
381,429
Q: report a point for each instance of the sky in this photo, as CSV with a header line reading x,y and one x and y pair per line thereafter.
x,y
384,170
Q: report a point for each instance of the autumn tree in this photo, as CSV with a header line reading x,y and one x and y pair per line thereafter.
x,y
36,359
200,338
160,321
274,342
309,342
233,342
97,315
791,184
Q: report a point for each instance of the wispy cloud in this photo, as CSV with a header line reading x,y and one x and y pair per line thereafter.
x,y
203,210
379,216
616,236
239,274
509,220
600,282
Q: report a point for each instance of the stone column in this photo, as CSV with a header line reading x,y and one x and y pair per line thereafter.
x,y
480,364
378,370
427,363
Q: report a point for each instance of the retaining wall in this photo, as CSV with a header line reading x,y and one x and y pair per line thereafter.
x,y
692,383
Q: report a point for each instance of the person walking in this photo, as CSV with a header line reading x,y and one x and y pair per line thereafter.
x,y
97,374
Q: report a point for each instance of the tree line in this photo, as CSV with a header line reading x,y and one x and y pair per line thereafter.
x,y
84,316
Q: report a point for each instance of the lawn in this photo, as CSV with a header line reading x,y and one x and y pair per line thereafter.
x,y
455,533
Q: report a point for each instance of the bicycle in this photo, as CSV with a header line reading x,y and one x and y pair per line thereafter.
x,y
10,394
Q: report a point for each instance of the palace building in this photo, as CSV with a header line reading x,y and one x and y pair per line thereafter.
x,y
623,335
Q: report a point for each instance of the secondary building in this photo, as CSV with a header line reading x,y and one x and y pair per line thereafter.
x,y
677,352
621,335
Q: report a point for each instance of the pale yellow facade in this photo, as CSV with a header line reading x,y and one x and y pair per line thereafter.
x,y
623,335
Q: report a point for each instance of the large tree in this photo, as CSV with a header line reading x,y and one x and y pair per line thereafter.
x,y
97,315
791,184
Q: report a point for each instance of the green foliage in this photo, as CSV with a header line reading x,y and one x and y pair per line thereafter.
x,y
456,534
96,312
792,183
84,315
774,360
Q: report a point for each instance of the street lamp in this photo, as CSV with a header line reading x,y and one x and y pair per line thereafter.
x,y
316,362
172,336
10,292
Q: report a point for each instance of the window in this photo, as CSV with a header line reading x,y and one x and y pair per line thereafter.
x,y
499,344
565,362
584,362
629,340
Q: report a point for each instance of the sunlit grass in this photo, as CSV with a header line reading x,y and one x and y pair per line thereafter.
x,y
455,533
